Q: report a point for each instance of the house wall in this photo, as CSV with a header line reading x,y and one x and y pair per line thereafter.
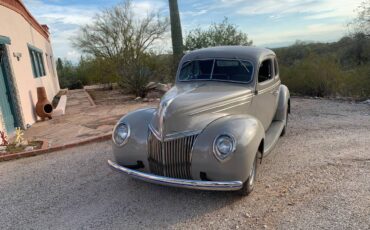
x,y
23,33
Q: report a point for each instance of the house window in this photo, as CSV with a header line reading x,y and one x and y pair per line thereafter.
x,y
37,62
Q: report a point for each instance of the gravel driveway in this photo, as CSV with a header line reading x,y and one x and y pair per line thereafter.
x,y
318,177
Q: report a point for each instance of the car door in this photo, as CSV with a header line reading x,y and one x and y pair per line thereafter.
x,y
265,99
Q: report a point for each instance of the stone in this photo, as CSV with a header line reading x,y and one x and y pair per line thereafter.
x,y
2,148
162,87
366,102
151,85
29,148
24,143
138,98
145,100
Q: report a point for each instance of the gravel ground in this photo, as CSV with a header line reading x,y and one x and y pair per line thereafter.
x,y
318,177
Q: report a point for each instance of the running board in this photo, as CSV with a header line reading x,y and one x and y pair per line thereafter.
x,y
272,136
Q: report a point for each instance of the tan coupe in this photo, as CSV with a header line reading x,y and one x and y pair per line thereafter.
x,y
226,111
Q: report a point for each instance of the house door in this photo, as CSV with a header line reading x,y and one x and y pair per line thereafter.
x,y
6,100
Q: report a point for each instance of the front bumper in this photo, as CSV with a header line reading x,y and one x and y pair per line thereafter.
x,y
181,183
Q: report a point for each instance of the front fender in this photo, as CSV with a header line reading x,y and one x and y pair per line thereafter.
x,y
248,132
136,148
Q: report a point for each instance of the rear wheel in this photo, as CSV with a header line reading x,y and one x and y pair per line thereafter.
x,y
248,186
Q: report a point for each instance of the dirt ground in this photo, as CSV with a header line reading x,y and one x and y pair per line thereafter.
x,y
83,120
317,177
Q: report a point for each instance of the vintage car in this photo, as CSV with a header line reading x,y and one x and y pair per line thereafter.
x,y
225,113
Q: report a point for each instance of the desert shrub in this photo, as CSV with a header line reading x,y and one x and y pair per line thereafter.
x,y
313,76
356,83
135,81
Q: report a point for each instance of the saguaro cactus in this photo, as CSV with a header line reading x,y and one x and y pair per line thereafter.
x,y
176,32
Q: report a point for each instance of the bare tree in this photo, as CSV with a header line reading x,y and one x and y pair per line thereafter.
x,y
362,23
120,35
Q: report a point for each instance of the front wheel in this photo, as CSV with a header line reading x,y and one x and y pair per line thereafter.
x,y
248,186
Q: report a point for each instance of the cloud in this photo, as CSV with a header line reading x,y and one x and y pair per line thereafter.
x,y
265,21
64,20
312,32
314,9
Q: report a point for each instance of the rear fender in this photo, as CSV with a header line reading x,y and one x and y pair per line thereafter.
x,y
283,104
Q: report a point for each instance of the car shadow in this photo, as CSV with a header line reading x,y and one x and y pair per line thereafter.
x,y
157,206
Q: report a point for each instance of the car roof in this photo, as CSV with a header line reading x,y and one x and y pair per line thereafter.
x,y
240,52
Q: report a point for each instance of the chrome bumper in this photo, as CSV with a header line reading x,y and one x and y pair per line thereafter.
x,y
191,184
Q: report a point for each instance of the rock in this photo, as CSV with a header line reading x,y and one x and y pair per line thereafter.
x,y
158,99
247,215
145,100
24,143
29,148
265,226
2,148
151,85
162,87
138,98
366,102
151,100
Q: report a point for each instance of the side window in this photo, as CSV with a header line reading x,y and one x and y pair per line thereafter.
x,y
276,67
265,71
37,62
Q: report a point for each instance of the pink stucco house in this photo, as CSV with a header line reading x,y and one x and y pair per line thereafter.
x,y
27,62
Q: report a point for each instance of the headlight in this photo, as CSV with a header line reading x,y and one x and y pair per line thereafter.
x,y
223,146
121,134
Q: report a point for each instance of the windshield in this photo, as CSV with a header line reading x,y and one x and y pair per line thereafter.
x,y
218,70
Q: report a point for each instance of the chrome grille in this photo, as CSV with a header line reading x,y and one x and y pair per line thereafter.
x,y
170,158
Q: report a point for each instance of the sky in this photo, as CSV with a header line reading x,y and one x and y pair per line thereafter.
x,y
269,23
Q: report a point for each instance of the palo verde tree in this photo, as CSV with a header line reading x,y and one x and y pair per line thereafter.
x,y
119,36
220,34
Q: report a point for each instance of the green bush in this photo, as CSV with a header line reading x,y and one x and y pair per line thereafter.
x,y
135,81
327,69
313,76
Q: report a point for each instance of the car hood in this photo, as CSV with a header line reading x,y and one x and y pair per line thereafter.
x,y
190,107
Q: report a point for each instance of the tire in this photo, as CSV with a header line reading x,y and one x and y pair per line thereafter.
x,y
283,132
248,185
